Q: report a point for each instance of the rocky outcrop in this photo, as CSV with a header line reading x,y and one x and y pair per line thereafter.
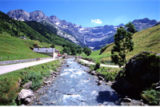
x,y
140,73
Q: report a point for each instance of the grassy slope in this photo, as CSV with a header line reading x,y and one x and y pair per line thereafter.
x,y
95,56
146,40
12,48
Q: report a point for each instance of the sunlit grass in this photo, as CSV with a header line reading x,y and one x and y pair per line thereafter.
x,y
13,48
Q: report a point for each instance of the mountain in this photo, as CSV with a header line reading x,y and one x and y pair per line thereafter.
x,y
39,16
93,37
32,30
144,23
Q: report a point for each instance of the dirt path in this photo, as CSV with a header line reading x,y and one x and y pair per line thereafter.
x,y
9,68
102,65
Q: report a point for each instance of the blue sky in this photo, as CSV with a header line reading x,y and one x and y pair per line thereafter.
x,y
88,13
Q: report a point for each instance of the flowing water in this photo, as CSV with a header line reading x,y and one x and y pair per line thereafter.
x,y
76,87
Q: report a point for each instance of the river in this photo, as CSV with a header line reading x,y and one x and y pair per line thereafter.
x,y
75,87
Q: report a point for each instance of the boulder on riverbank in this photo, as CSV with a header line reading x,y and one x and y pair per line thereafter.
x,y
25,96
140,73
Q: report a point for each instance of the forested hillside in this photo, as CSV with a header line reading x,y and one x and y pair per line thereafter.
x,y
32,30
49,32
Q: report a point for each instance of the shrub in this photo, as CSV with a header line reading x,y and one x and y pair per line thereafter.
x,y
52,46
151,96
92,67
36,45
97,66
8,91
110,76
35,77
87,51
36,84
109,73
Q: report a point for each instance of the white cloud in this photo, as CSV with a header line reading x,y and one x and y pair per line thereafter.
x,y
96,21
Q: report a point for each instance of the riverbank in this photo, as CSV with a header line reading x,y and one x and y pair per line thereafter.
x,y
108,76
11,84
75,87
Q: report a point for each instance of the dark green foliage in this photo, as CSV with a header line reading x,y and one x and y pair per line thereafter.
x,y
123,44
52,46
79,50
109,73
87,51
66,50
140,73
35,77
151,96
130,27
110,76
145,67
97,66
8,90
36,45
72,50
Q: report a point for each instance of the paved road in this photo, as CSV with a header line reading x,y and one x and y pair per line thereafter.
x,y
9,68
75,87
102,65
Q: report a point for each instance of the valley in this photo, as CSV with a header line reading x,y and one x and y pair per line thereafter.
x,y
98,66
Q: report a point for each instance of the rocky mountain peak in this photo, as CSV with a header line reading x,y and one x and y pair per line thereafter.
x,y
19,14
37,16
54,19
144,23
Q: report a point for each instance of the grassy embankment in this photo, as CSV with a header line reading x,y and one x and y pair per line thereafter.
x,y
146,40
109,74
11,83
13,48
